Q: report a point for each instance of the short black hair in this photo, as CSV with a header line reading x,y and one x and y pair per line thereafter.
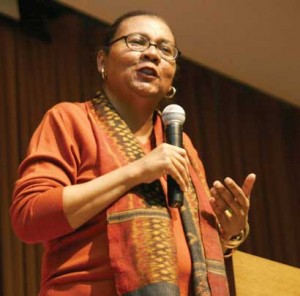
x,y
112,29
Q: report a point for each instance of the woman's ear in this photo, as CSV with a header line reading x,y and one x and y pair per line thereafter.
x,y
101,60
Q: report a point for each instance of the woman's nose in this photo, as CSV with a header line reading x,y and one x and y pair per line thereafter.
x,y
152,52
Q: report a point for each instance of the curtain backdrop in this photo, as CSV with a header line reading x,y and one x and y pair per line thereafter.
x,y
236,129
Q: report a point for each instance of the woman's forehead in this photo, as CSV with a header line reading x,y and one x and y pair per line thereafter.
x,y
151,26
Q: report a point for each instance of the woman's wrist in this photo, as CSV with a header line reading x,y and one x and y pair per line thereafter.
x,y
230,244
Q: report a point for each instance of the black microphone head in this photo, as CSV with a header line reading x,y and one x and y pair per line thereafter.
x,y
173,113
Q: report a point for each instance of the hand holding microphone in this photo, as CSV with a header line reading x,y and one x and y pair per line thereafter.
x,y
173,117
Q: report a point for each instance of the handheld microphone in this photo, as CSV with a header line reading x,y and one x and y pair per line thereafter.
x,y
173,117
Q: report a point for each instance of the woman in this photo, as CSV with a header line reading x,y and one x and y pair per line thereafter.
x,y
92,186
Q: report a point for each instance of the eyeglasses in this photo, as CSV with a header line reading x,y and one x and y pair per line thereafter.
x,y
138,42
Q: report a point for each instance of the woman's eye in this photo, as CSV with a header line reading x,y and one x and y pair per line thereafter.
x,y
167,49
138,41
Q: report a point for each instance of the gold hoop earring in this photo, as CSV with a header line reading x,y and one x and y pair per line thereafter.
x,y
103,74
171,93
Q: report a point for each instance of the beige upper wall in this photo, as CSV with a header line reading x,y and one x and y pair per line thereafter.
x,y
256,42
10,8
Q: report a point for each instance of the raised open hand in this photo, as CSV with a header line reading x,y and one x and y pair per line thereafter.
x,y
231,204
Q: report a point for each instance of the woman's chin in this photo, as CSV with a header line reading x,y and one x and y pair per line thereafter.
x,y
147,90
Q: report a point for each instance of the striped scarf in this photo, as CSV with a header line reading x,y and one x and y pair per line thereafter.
x,y
141,242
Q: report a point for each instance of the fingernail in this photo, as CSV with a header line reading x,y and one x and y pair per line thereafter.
x,y
217,184
228,180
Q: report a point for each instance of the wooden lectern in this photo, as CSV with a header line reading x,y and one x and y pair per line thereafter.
x,y
256,276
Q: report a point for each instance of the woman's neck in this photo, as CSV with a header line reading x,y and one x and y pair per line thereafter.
x,y
137,114
143,134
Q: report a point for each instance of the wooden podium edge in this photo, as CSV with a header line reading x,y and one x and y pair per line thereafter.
x,y
257,276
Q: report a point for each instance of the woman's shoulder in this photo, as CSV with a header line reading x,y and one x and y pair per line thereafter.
x,y
69,110
68,107
71,115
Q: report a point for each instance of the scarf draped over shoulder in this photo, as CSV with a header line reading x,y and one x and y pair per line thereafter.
x,y
141,242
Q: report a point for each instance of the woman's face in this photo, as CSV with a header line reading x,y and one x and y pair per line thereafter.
x,y
146,73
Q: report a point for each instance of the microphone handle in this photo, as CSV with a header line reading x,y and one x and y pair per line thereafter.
x,y
174,137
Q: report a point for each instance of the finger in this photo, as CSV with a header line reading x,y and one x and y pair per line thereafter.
x,y
218,200
222,209
248,184
238,194
220,213
184,160
178,153
233,196
177,169
223,193
175,164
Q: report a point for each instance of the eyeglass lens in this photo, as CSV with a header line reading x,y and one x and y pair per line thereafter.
x,y
139,42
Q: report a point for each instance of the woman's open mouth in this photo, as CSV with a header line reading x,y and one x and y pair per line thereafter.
x,y
148,72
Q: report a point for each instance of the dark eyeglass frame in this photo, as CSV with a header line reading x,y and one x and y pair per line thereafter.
x,y
125,37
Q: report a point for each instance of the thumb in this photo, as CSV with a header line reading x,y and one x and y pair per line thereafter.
x,y
248,184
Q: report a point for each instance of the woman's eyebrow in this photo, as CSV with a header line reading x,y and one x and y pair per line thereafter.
x,y
160,39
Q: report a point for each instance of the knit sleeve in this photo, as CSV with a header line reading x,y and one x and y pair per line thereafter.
x,y
51,164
